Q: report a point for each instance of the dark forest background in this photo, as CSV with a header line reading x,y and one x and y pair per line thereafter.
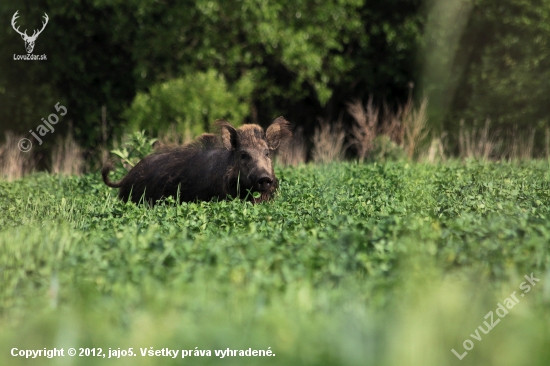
x,y
150,64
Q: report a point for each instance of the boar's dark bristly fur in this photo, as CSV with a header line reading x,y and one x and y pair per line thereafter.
x,y
235,163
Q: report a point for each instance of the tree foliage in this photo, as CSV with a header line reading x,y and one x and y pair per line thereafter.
x,y
307,57
508,65
191,103
304,59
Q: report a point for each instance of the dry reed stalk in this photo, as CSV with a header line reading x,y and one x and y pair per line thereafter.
x,y
67,157
328,142
528,149
103,149
521,144
436,151
363,130
294,152
391,124
476,143
415,127
14,164
547,142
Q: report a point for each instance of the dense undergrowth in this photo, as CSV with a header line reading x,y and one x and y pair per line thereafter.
x,y
351,264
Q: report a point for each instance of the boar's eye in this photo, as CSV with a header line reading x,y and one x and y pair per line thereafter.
x,y
267,155
244,155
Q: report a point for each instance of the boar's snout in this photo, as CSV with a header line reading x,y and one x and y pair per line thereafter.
x,y
264,184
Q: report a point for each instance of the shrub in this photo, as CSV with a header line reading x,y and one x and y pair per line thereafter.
x,y
190,103
136,147
384,149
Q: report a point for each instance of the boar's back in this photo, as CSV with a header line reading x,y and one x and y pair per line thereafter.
x,y
199,174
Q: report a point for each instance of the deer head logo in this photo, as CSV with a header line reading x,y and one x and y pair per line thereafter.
x,y
29,41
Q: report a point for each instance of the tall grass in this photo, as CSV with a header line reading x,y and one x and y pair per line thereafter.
x,y
67,156
14,164
363,130
436,151
374,134
293,152
484,143
476,142
407,126
522,146
328,142
415,126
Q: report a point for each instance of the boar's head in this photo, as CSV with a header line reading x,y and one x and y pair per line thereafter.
x,y
252,149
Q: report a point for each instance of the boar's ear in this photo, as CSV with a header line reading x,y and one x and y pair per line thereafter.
x,y
278,132
230,138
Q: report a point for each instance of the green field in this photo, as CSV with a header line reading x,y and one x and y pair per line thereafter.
x,y
351,264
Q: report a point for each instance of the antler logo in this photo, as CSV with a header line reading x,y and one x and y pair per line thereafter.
x,y
29,41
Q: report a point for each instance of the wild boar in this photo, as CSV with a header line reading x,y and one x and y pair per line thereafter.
x,y
235,163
